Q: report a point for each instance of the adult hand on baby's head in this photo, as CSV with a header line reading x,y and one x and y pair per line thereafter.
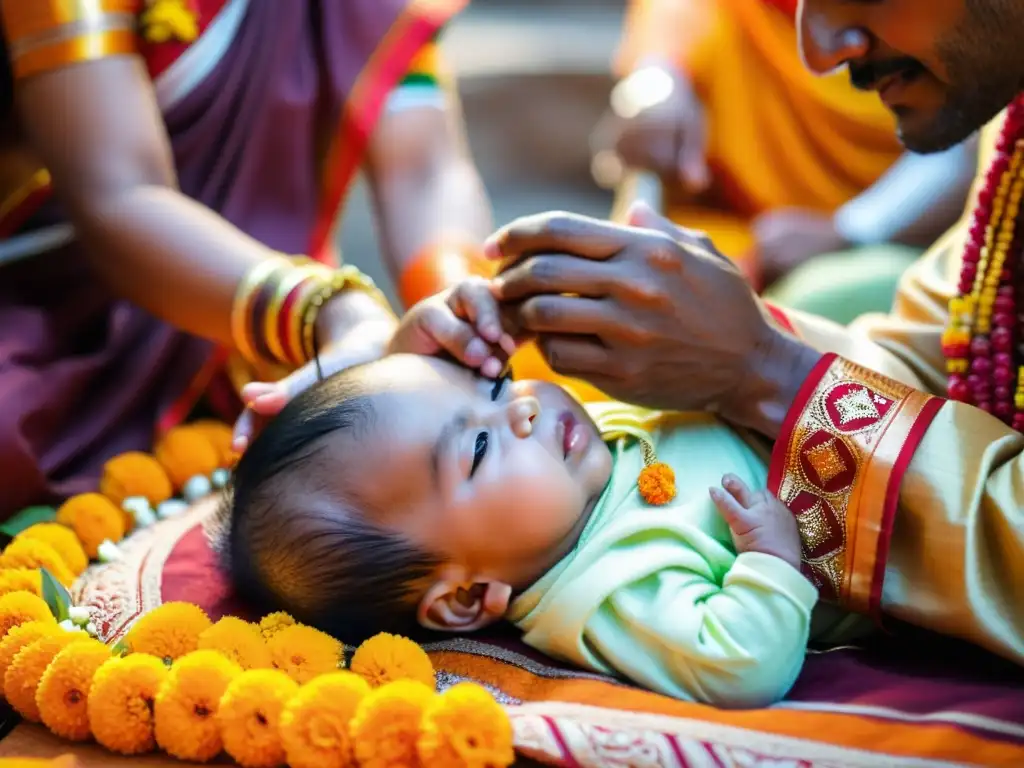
x,y
462,321
759,522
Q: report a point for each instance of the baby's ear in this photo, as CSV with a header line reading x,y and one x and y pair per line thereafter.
x,y
449,607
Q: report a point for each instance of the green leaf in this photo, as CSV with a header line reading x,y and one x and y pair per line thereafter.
x,y
26,519
56,597
120,648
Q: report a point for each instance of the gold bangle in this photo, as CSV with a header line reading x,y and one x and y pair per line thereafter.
x,y
342,279
253,280
271,320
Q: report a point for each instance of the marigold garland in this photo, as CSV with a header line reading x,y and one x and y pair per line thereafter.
x,y
62,540
465,728
220,436
21,607
23,676
386,724
30,553
385,658
304,653
273,623
63,692
168,632
249,716
238,640
135,474
120,703
94,519
186,705
184,452
21,636
315,722
21,580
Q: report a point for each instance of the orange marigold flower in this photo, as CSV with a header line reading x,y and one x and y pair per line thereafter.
x,y
249,716
273,623
64,688
63,540
21,580
315,722
94,519
21,607
386,724
20,636
187,702
657,483
168,632
24,674
465,727
185,452
220,436
135,474
240,641
385,658
120,703
303,653
30,553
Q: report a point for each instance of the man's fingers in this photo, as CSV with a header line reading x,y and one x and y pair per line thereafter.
x,y
549,273
569,233
572,316
575,355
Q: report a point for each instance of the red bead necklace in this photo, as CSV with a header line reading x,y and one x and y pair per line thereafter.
x,y
985,330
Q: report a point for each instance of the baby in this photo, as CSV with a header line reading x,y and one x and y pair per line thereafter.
x,y
416,494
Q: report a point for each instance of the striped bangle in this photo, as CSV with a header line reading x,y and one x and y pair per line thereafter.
x,y
247,297
280,317
345,278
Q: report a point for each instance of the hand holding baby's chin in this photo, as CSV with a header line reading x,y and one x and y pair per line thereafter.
x,y
759,522
464,322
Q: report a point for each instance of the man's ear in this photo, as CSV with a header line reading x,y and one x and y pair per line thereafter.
x,y
448,606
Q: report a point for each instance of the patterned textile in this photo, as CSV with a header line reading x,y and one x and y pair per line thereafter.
x,y
908,700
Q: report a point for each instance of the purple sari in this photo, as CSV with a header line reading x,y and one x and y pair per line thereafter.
x,y
269,113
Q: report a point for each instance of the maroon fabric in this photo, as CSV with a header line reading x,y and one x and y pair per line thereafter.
x,y
84,376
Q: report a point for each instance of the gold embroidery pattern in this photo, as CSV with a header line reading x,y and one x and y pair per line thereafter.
x,y
830,447
49,34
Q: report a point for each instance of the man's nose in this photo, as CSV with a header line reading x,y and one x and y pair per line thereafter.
x,y
829,36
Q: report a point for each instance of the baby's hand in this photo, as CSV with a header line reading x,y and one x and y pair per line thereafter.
x,y
759,521
462,321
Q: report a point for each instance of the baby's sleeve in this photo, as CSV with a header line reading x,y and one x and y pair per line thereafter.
x,y
740,643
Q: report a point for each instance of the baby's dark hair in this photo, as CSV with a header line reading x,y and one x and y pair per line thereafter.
x,y
327,564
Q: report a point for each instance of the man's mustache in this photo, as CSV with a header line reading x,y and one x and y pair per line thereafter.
x,y
866,75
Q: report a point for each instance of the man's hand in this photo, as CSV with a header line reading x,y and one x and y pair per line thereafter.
x,y
463,322
652,314
787,238
759,522
657,123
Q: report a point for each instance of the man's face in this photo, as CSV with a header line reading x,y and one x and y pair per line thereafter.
x,y
944,67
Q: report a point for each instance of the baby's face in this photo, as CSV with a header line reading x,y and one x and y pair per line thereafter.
x,y
498,477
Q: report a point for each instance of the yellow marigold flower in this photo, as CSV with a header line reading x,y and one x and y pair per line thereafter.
x,y
465,727
315,722
20,607
187,702
385,658
240,641
26,671
386,725
168,632
135,474
220,436
63,540
184,453
64,688
120,703
273,623
94,518
249,715
20,636
303,653
30,553
21,580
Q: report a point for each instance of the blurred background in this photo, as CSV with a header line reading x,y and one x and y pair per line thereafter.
x,y
535,79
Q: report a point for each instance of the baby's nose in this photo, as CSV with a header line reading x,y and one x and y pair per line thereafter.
x,y
521,413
